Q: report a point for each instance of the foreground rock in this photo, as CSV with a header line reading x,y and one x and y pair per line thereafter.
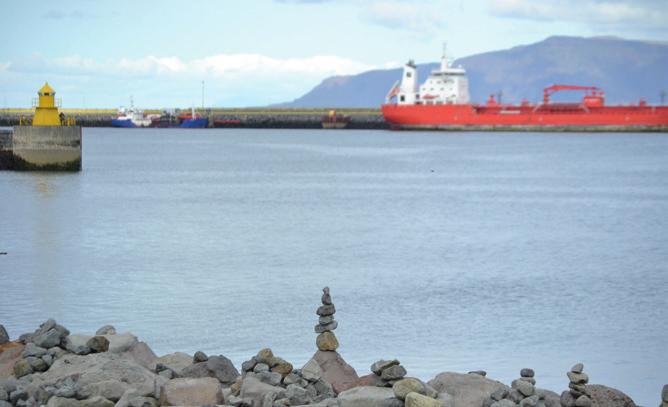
x,y
467,390
366,396
331,367
4,337
664,396
191,392
607,396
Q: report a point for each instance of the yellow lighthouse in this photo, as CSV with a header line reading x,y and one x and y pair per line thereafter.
x,y
46,111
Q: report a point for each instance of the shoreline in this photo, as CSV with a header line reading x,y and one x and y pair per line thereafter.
x,y
56,368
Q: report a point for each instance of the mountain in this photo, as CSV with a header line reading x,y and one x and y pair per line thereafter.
x,y
626,70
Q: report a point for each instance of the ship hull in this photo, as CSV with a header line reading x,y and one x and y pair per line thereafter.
x,y
126,124
526,118
200,123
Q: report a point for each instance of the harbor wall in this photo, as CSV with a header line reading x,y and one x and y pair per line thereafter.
x,y
47,148
6,156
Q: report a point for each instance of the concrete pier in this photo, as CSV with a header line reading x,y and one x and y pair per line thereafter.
x,y
46,148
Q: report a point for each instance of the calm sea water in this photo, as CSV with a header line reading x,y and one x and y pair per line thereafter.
x,y
451,252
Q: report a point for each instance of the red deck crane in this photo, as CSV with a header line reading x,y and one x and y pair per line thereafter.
x,y
594,95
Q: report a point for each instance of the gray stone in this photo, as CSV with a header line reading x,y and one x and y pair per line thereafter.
x,y
176,361
200,357
526,372
479,372
503,403
529,401
664,393
106,330
324,388
143,355
261,367
567,399
264,356
515,395
197,370
47,339
120,343
466,389
326,298
48,359
248,365
19,394
577,368
98,344
324,328
326,310
381,365
5,404
97,402
365,396
271,378
296,395
77,344
578,378
66,391
63,402
524,387
4,396
33,350
255,390
222,368
404,386
393,373
311,370
499,394
326,320
583,401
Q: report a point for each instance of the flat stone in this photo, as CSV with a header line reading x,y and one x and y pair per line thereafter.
x,y
466,389
526,372
176,361
326,310
419,400
393,373
381,365
33,350
577,368
324,328
143,355
63,402
37,364
283,367
327,341
297,395
248,365
365,396
48,339
106,330
578,378
499,394
271,378
77,344
98,344
311,370
120,343
189,392
478,372
326,320
404,386
254,390
529,401
504,403
261,367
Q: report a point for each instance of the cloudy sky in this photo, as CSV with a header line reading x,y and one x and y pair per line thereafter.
x,y
97,53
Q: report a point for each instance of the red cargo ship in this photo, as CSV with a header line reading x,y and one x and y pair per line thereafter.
x,y
442,102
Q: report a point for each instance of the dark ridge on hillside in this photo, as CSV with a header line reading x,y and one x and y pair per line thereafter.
x,y
626,69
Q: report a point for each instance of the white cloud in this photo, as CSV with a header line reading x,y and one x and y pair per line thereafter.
x,y
612,12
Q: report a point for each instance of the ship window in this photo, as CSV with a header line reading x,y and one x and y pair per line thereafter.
x,y
402,98
408,74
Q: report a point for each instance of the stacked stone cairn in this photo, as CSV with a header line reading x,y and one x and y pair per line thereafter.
x,y
42,347
577,395
292,387
664,396
326,340
387,372
522,393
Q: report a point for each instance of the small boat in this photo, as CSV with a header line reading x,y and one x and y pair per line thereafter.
x,y
131,118
193,121
335,121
